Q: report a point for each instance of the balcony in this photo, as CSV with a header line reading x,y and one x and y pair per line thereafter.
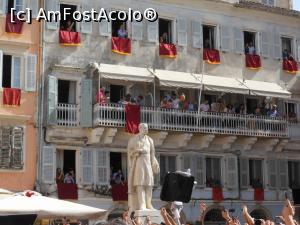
x,y
67,115
192,121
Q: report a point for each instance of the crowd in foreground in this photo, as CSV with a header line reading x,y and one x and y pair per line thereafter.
x,y
286,217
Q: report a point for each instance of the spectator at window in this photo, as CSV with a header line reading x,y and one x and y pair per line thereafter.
x,y
285,54
257,111
59,176
273,112
122,33
164,38
207,44
101,97
252,50
290,57
69,26
69,178
230,109
242,109
164,103
117,177
247,48
125,100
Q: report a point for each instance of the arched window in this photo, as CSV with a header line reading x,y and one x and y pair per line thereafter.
x,y
214,217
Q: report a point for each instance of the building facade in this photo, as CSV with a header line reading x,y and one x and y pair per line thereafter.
x,y
19,66
204,58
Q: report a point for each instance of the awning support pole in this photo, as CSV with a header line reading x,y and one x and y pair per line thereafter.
x,y
201,86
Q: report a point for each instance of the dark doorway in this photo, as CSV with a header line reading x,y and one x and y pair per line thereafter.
x,y
115,161
116,25
251,105
208,37
64,23
116,93
165,26
69,161
66,91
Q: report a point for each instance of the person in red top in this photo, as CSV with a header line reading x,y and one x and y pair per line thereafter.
x,y
100,97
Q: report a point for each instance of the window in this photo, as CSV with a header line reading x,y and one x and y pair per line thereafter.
x,y
250,42
213,172
117,92
209,37
69,24
11,71
256,173
167,164
66,91
165,31
119,28
11,147
17,4
269,2
286,47
252,104
291,111
294,174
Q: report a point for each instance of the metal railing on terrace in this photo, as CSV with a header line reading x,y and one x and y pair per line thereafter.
x,y
67,114
113,115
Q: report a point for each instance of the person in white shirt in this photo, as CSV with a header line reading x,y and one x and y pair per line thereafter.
x,y
204,107
251,49
175,102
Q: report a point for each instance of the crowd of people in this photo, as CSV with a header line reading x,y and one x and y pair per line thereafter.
x,y
286,218
68,178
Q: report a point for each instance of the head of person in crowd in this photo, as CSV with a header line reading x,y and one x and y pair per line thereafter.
x,y
128,97
164,38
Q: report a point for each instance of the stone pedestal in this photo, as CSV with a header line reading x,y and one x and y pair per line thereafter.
x,y
152,213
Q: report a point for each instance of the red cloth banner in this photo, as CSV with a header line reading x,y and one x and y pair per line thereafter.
x,y
119,192
13,27
211,56
167,50
121,45
217,194
67,191
259,194
253,61
11,96
290,66
69,38
132,118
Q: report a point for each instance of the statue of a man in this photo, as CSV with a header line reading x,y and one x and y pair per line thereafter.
x,y
142,166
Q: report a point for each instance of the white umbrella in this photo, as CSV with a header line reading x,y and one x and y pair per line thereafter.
x,y
47,208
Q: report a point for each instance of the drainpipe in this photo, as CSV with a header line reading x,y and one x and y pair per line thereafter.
x,y
41,105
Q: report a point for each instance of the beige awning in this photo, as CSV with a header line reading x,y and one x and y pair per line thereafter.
x,y
125,73
177,79
267,89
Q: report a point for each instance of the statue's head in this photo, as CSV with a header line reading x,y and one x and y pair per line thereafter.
x,y
143,128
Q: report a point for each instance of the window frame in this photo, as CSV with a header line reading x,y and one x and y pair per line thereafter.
x,y
173,28
221,161
78,7
128,23
293,44
167,164
294,172
216,34
262,170
256,37
24,143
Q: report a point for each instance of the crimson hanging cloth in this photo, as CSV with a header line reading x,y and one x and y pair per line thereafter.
x,y
259,194
290,66
211,56
217,194
132,118
11,96
119,192
67,191
167,50
253,61
69,38
121,45
13,27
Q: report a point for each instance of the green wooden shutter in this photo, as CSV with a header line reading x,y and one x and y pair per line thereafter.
x,y
49,165
86,103
52,100
244,172
87,166
102,167
231,172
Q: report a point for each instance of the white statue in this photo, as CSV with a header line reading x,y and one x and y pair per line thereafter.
x,y
142,165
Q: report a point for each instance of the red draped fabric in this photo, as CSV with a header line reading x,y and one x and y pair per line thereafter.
x,y
217,194
253,61
13,27
167,50
211,56
121,45
119,192
67,191
11,96
259,194
290,66
132,118
69,38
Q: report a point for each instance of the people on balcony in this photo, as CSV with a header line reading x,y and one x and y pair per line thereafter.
x,y
122,32
102,96
273,112
205,107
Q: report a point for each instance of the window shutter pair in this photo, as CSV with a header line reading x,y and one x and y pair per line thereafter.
x,y
277,173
